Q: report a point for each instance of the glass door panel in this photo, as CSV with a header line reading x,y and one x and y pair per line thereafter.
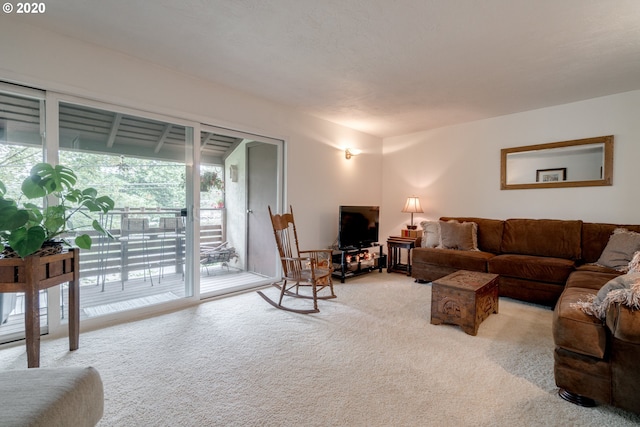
x,y
21,147
224,249
140,163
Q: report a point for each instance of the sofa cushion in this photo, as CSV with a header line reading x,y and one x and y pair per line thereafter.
x,y
460,260
545,269
459,235
621,247
595,237
597,269
430,234
542,237
589,279
489,232
575,330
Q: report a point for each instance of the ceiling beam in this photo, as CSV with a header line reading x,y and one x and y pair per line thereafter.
x,y
163,138
206,140
114,130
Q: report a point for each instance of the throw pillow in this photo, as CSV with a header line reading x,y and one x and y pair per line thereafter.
x,y
620,249
430,234
461,236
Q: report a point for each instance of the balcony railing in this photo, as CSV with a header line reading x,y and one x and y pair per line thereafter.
x,y
134,251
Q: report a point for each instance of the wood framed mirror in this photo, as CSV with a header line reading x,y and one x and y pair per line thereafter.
x,y
578,163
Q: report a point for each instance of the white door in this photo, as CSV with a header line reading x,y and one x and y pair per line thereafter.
x,y
262,189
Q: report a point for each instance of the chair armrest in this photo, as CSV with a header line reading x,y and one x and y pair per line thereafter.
x,y
329,252
316,258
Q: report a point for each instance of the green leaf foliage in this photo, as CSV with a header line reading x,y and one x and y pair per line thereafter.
x,y
26,228
83,241
26,241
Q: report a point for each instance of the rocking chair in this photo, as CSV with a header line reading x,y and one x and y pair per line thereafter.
x,y
311,268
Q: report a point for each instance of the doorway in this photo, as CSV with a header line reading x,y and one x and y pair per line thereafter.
x,y
253,180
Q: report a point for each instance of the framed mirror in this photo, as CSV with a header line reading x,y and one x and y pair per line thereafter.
x,y
577,163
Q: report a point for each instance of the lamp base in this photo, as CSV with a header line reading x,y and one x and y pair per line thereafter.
x,y
412,227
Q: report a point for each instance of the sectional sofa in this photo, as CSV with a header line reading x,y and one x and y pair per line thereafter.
x,y
562,264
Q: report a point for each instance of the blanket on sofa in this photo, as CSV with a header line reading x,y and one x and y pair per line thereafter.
x,y
624,289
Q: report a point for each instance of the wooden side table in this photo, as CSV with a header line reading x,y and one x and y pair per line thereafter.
x,y
395,244
33,274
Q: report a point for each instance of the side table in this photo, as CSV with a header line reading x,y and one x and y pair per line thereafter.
x,y
34,274
395,244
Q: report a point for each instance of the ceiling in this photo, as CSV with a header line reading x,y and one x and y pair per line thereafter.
x,y
380,66
94,130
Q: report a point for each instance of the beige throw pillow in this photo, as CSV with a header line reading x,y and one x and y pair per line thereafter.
x,y
461,236
430,234
622,245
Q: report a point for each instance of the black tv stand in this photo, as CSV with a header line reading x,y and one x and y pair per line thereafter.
x,y
352,261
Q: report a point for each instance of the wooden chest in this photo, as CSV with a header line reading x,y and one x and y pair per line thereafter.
x,y
464,298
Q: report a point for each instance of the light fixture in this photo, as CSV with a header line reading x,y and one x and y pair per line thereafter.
x,y
233,173
412,206
349,152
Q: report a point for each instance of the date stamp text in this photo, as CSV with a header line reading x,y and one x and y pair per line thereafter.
x,y
24,8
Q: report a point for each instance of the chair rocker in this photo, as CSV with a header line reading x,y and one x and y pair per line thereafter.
x,y
301,269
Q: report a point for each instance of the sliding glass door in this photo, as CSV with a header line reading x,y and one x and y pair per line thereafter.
x,y
141,163
237,251
22,127
190,218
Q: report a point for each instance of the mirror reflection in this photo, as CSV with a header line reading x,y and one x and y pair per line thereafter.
x,y
577,163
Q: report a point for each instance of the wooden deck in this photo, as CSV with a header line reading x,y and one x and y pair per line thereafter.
x,y
124,273
138,292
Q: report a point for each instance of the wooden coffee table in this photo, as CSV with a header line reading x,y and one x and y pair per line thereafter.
x,y
464,298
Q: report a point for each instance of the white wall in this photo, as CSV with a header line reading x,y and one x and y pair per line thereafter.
x,y
318,179
456,170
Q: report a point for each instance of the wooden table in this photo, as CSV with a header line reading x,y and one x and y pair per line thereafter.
x,y
394,246
33,274
464,298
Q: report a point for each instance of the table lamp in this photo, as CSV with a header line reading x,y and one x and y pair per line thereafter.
x,y
412,206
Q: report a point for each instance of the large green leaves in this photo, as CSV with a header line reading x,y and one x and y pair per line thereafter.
x,y
26,228
26,241
47,179
11,217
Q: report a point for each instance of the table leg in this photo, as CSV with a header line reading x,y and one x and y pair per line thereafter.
x,y
74,307
32,326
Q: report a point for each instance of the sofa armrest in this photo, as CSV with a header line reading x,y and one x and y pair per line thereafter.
x,y
624,323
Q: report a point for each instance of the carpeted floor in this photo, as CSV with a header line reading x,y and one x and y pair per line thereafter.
x,y
369,358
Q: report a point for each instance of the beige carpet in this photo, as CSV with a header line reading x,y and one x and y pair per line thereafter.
x,y
369,358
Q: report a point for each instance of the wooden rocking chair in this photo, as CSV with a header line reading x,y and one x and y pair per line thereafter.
x,y
311,268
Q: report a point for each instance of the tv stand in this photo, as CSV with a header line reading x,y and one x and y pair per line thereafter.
x,y
351,262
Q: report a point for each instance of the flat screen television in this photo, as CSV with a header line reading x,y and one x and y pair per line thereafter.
x,y
358,226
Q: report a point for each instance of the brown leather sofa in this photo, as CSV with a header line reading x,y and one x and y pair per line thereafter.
x,y
596,360
549,261
533,257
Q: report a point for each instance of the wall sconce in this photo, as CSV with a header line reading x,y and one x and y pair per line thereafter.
x,y
349,152
233,173
413,206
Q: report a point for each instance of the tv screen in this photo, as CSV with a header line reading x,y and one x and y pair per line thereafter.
x,y
358,226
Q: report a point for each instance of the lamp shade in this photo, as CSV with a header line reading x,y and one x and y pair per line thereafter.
x,y
412,205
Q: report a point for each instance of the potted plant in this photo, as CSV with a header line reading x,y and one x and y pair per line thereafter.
x,y
210,179
26,227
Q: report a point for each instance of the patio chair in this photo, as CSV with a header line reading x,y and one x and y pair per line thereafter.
x,y
302,270
217,254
